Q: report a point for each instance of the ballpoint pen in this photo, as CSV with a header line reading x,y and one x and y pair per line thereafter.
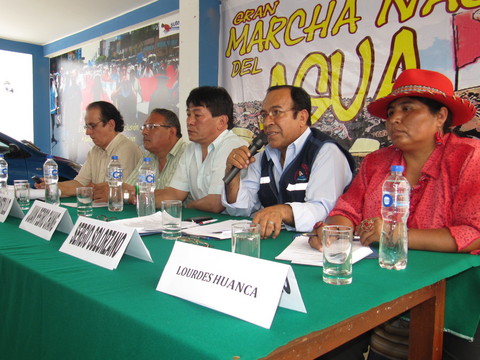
x,y
309,234
207,221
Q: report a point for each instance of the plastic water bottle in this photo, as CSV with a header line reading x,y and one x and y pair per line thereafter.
x,y
115,180
146,189
50,176
3,175
395,208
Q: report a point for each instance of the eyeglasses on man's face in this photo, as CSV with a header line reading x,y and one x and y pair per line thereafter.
x,y
153,126
274,114
91,126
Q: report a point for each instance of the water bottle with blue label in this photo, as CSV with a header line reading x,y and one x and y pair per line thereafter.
x,y
146,189
3,175
115,181
50,176
395,209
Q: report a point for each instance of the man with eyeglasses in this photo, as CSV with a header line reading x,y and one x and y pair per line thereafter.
x,y
202,165
297,179
104,124
163,142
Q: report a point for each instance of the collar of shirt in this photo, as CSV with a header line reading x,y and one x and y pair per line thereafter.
x,y
431,167
218,140
112,144
176,148
292,150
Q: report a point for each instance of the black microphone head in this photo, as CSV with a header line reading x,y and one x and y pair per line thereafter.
x,y
260,140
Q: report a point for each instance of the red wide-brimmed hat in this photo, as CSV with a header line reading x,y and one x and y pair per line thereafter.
x,y
428,84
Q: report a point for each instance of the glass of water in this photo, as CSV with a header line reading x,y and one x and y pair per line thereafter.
x,y
171,219
22,193
84,201
337,254
246,238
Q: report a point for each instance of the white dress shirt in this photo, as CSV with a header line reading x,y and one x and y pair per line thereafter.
x,y
201,178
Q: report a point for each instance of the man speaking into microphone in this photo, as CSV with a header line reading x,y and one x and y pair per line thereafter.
x,y
297,179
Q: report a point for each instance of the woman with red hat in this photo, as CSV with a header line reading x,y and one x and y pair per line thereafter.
x,y
443,169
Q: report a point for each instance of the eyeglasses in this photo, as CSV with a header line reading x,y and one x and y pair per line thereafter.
x,y
193,240
91,126
105,218
152,126
274,114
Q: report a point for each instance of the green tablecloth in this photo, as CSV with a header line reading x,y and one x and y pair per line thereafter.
x,y
56,306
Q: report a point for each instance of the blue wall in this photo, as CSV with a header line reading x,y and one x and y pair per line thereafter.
x,y
208,58
208,43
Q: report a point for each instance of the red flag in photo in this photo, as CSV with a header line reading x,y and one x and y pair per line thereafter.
x,y
466,28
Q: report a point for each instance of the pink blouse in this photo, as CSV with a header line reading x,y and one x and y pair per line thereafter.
x,y
447,195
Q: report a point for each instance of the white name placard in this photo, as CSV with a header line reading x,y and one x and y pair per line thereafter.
x,y
103,243
241,286
9,206
43,219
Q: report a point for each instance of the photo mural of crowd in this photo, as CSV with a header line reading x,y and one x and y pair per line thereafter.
x,y
136,71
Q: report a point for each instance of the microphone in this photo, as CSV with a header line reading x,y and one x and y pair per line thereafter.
x,y
257,143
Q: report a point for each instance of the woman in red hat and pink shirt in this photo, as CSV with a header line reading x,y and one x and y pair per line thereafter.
x,y
444,174
443,169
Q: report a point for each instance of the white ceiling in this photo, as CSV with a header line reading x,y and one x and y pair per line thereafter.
x,y
41,22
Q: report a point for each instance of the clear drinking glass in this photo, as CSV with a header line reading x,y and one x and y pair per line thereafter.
x,y
84,201
246,238
337,254
171,219
22,193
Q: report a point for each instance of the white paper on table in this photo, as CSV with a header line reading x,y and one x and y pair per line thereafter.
x,y
300,252
34,193
150,224
94,204
220,230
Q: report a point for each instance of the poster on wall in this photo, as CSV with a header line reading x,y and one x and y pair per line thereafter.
x,y
137,71
345,53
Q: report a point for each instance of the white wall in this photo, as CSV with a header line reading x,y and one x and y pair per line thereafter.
x,y
16,95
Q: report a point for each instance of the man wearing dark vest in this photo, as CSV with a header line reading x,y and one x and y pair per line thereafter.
x,y
297,179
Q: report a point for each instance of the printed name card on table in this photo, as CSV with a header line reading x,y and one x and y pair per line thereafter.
x,y
9,206
42,219
245,287
103,243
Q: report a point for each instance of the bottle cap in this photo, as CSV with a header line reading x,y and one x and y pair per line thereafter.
x,y
146,159
49,156
114,157
397,168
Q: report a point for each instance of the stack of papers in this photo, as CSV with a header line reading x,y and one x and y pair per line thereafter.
x,y
220,230
151,224
300,252
34,193
94,204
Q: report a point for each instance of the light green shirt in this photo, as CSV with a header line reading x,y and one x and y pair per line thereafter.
x,y
162,178
95,167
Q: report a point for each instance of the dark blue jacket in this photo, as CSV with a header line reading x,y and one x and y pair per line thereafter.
x,y
297,172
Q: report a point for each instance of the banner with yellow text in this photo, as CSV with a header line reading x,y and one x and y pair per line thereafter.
x,y
345,53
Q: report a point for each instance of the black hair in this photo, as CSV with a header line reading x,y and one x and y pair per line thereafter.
x,y
171,119
215,99
108,112
300,98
